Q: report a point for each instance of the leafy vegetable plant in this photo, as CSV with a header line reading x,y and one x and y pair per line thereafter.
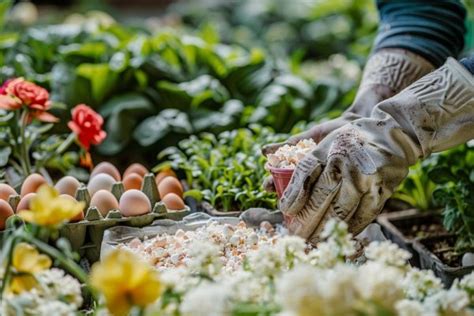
x,y
453,173
228,169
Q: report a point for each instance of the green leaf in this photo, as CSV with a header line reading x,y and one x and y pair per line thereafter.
x,y
102,79
122,113
195,194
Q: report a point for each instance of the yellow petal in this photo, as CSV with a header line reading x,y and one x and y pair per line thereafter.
x,y
27,216
125,280
22,283
119,306
27,259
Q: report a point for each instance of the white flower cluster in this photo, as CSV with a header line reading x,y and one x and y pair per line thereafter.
x,y
278,274
57,294
288,156
387,253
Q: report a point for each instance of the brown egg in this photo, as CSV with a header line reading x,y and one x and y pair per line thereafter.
x,y
134,202
5,212
79,217
173,202
25,202
135,168
108,168
170,185
132,181
32,183
6,191
163,174
104,201
67,185
101,181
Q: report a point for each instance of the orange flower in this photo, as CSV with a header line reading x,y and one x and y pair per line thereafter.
x,y
17,92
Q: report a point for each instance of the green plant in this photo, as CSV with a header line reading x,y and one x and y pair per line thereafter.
x,y
154,89
453,174
228,168
417,189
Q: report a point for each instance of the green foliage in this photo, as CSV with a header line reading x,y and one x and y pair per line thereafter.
x,y
157,88
317,29
228,169
417,189
453,174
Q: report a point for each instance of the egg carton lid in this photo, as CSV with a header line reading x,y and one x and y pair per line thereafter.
x,y
117,235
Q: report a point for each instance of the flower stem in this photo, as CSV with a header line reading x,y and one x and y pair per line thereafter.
x,y
8,253
24,145
65,145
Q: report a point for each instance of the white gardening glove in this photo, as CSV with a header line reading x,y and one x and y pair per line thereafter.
x,y
356,168
386,73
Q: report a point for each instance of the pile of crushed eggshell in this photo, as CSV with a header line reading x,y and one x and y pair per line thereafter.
x,y
166,251
133,201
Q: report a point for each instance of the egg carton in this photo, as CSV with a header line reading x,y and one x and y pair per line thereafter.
x,y
86,235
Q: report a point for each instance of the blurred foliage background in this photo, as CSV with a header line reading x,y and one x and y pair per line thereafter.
x,y
159,71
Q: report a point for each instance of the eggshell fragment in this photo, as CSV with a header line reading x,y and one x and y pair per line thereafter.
x,y
68,185
170,185
6,191
104,201
5,212
134,202
107,168
25,202
79,217
32,183
102,181
132,181
163,174
135,168
173,202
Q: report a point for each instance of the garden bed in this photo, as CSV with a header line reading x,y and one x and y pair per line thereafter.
x,y
403,227
438,254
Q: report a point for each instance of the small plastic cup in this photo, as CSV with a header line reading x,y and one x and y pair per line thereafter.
x,y
281,178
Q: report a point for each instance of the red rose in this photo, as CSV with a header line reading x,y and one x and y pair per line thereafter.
x,y
17,92
87,125
31,95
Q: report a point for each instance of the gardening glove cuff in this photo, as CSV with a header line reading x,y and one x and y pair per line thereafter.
x,y
355,169
386,73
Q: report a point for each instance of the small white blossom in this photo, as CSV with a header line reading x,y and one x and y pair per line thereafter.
x,y
380,283
207,299
419,284
410,308
448,302
387,253
467,284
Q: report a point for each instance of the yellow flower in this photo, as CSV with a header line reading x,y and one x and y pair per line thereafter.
x,y
125,281
47,208
26,262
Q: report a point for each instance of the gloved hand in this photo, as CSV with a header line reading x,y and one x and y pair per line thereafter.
x,y
386,73
356,168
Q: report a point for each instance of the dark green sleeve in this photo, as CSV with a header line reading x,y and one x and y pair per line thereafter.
x,y
432,29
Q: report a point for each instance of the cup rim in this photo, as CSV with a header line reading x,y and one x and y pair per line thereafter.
x,y
280,170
